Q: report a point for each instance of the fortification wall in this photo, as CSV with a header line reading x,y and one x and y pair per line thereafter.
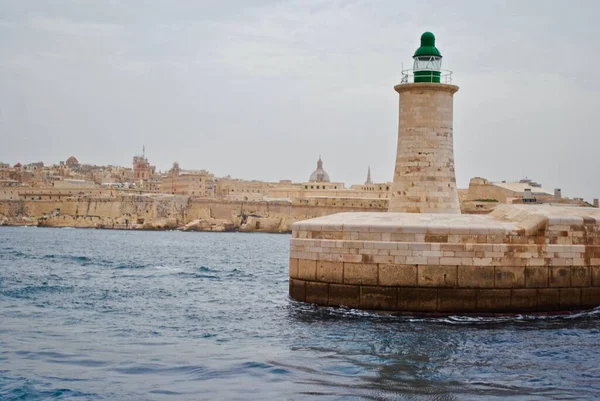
x,y
167,211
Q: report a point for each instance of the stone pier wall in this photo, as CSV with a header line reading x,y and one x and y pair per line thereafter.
x,y
518,259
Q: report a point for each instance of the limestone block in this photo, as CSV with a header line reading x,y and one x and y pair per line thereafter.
x,y
417,299
344,295
475,276
378,298
293,268
560,276
298,289
330,272
570,298
397,275
416,260
581,276
590,297
536,276
509,277
307,269
523,300
595,273
489,300
457,300
437,276
360,273
317,293
548,299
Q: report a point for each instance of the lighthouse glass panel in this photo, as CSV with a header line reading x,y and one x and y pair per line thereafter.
x,y
427,63
427,69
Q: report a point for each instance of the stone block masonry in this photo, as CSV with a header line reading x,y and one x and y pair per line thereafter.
x,y
161,211
516,259
424,179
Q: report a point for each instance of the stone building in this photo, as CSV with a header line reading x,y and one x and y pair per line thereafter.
x,y
4,171
142,170
380,190
63,169
236,189
319,185
187,182
522,191
9,189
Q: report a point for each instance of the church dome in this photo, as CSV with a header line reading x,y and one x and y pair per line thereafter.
x,y
72,161
319,175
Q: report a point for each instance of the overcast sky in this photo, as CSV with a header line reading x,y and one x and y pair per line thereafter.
x,y
258,89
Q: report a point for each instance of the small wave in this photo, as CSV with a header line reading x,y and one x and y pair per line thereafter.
x,y
25,389
315,312
167,268
83,260
131,266
29,291
19,254
199,275
165,392
241,274
516,318
203,272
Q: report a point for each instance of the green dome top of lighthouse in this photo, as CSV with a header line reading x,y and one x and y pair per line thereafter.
x,y
427,46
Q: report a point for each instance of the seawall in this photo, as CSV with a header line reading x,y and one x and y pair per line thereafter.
x,y
156,212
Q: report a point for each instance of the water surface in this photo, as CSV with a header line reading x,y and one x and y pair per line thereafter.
x,y
124,315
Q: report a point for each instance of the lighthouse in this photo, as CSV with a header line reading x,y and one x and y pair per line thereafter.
x,y
424,178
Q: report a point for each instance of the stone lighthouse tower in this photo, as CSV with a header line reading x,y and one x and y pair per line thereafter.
x,y
424,180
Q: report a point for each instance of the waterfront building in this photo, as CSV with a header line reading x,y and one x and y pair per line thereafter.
x,y
187,182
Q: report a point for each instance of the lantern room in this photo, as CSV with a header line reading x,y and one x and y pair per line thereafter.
x,y
427,60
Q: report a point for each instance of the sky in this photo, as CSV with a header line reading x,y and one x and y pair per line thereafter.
x,y
258,89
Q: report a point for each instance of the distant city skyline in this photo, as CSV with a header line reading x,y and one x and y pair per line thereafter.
x,y
258,89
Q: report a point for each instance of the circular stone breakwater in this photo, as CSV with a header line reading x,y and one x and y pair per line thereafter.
x,y
517,259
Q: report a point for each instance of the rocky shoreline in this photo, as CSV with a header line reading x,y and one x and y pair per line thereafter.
x,y
160,212
247,225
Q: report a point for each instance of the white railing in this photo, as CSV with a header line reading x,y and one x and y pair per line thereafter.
x,y
445,77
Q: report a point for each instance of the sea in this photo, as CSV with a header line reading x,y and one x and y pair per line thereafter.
x,y
135,315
